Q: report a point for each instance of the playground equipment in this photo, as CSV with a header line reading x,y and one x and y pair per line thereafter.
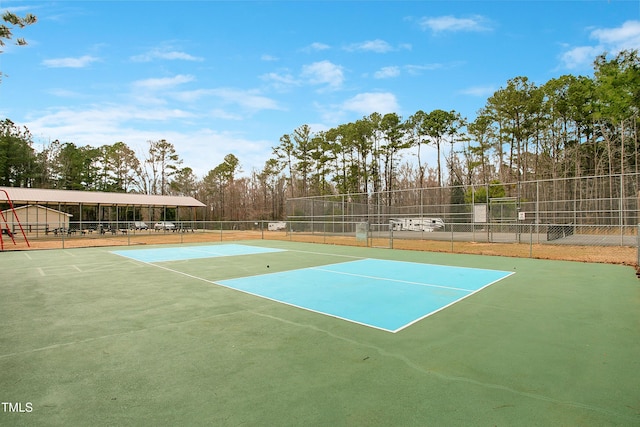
x,y
4,226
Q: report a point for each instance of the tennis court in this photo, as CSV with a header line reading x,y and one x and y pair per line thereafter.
x,y
283,333
388,295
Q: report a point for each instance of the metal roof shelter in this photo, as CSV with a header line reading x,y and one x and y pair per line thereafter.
x,y
100,206
68,197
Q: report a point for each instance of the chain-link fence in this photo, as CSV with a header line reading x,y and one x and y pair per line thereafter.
x,y
569,242
588,211
600,213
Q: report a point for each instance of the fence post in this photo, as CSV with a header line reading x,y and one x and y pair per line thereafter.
x,y
324,231
451,224
638,247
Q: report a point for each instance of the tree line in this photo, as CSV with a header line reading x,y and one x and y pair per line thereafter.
x,y
571,126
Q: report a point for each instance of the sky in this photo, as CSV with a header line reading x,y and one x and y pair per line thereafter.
x,y
232,77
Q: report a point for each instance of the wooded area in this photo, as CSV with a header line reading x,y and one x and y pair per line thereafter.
x,y
571,126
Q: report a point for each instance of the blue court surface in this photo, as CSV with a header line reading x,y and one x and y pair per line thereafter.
x,y
387,295
192,252
383,294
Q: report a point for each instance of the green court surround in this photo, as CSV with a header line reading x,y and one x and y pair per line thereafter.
x,y
91,338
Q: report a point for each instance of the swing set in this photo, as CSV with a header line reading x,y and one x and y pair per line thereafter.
x,y
4,226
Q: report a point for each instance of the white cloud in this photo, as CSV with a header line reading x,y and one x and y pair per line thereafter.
x,y
80,125
324,73
479,91
190,96
65,93
164,82
371,102
280,81
159,108
248,99
268,58
580,56
414,70
387,72
165,53
201,148
452,24
377,46
418,69
625,37
215,144
219,113
316,47
19,9
80,62
614,40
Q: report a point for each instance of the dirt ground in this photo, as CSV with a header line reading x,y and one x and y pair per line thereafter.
x,y
603,254
609,254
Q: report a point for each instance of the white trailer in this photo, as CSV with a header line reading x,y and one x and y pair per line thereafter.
x,y
417,224
277,226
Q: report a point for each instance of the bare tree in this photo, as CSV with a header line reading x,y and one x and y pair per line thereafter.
x,y
160,165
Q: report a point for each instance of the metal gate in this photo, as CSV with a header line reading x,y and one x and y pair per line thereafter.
x,y
503,219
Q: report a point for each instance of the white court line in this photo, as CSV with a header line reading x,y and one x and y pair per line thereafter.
x,y
211,249
452,303
222,285
392,280
218,283
214,254
326,254
201,250
101,267
27,255
64,270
